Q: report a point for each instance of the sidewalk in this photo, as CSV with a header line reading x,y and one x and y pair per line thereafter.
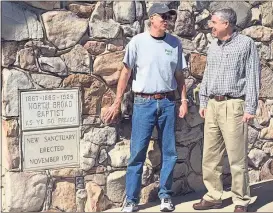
x,y
262,201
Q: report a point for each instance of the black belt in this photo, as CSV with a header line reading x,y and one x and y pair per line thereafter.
x,y
156,95
225,97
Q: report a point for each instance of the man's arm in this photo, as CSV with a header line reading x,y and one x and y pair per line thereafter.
x,y
114,110
181,87
252,80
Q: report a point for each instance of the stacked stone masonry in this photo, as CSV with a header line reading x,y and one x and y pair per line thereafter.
x,y
49,45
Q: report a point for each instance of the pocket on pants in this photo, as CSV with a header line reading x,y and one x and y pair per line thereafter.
x,y
238,107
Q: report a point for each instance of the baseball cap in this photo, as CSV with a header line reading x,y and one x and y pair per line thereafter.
x,y
160,8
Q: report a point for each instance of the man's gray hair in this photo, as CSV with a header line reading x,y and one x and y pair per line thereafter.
x,y
227,14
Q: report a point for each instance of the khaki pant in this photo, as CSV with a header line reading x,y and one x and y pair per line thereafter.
x,y
224,130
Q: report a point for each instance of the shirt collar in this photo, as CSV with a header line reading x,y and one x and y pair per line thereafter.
x,y
234,34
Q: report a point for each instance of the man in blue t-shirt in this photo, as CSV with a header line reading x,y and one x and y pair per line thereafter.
x,y
155,59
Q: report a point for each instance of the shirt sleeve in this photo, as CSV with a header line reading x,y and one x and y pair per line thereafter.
x,y
203,95
253,76
181,62
130,54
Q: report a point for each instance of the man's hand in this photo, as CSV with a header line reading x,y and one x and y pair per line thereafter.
x,y
202,112
248,117
183,110
112,113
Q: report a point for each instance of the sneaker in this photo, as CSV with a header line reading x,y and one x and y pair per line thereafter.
x,y
129,207
166,205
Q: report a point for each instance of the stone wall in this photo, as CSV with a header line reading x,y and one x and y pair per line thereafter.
x,y
47,45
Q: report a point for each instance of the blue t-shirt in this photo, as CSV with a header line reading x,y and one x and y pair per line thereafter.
x,y
154,62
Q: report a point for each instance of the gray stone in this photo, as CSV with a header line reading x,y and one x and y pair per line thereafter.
x,y
257,158
196,182
268,148
43,49
60,23
115,186
124,12
266,82
101,136
200,42
26,59
103,11
27,25
182,152
153,157
46,81
262,113
139,10
201,17
259,33
46,5
88,149
12,81
87,163
146,175
267,133
78,60
131,29
83,10
9,52
186,6
196,159
103,156
54,65
184,25
256,14
99,179
180,187
264,50
242,9
95,47
254,176
81,196
266,12
255,3
104,29
252,135
267,170
101,24
189,135
119,156
180,169
24,192
187,44
149,193
193,118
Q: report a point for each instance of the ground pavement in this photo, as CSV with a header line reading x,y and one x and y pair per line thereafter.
x,y
262,201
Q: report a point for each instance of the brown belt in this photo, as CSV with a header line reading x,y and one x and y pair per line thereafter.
x,y
224,97
156,95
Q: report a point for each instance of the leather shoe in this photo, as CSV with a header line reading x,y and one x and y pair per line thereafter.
x,y
205,205
239,208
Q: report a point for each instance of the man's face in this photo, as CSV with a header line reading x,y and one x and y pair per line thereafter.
x,y
218,26
160,21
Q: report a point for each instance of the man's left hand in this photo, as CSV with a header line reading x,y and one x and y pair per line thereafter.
x,y
183,110
248,117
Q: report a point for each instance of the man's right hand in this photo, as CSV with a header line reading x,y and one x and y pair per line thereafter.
x,y
112,113
202,113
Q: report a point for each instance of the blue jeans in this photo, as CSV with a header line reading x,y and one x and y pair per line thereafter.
x,y
148,113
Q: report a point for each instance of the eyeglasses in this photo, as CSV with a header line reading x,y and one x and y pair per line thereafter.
x,y
164,16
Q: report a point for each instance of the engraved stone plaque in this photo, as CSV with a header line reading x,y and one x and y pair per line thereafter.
x,y
50,148
47,109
